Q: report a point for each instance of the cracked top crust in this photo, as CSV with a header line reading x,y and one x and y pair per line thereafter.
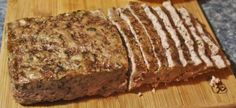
x,y
79,42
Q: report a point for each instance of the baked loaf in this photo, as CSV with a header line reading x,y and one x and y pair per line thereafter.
x,y
66,56
83,53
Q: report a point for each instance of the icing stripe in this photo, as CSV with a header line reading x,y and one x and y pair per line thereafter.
x,y
173,33
125,18
148,35
183,31
161,33
218,61
201,48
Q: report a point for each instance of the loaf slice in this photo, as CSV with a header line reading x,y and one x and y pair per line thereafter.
x,y
202,48
159,52
141,37
184,55
137,63
196,64
174,35
174,66
64,57
143,40
214,52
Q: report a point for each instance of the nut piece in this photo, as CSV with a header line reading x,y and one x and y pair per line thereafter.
x,y
153,90
214,81
140,94
22,22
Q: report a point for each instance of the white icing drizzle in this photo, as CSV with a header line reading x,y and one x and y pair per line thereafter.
x,y
201,48
148,35
130,52
218,60
125,18
183,31
173,33
161,33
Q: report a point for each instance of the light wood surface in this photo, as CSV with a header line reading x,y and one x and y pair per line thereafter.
x,y
194,93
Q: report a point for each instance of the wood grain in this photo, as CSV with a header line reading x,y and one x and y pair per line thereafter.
x,y
194,93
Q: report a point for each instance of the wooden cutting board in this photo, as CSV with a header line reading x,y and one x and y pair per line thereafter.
x,y
194,93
